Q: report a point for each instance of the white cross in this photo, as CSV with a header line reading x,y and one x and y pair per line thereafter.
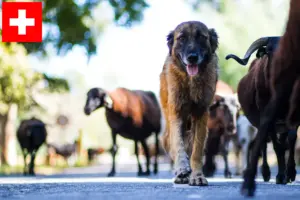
x,y
21,22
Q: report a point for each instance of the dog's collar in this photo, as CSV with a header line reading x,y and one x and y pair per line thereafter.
x,y
108,101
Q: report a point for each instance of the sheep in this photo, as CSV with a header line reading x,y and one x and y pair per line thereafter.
x,y
92,152
226,106
254,93
220,125
133,114
31,134
66,150
284,101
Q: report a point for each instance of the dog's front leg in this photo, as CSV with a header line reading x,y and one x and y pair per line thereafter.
x,y
199,129
182,163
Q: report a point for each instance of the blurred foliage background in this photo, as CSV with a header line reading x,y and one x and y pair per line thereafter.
x,y
69,24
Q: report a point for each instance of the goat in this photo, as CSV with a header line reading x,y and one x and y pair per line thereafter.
x,y
254,94
133,114
31,134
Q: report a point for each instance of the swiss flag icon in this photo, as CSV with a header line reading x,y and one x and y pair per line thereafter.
x,y
22,21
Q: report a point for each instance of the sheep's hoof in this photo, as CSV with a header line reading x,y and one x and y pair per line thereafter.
x,y
209,171
110,174
291,174
281,179
248,189
182,176
238,173
197,179
155,171
227,174
248,186
146,173
266,173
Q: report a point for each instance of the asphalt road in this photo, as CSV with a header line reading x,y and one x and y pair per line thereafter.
x,y
88,184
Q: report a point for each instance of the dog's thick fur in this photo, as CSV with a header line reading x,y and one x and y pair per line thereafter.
x,y
185,99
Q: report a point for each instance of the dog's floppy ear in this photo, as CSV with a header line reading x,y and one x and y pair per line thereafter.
x,y
170,39
213,38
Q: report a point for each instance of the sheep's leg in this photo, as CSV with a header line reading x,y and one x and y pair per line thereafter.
x,y
246,147
267,124
268,117
114,150
237,152
136,151
199,128
209,166
280,153
291,166
25,163
227,172
147,154
265,169
31,164
155,170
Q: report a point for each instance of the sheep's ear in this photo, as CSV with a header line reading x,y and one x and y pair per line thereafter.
x,y
170,40
213,38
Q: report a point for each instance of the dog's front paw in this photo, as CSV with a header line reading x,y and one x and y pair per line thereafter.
x,y
197,179
182,175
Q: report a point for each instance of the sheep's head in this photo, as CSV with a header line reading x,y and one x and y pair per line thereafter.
x,y
95,100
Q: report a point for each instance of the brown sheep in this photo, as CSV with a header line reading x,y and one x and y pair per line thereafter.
x,y
284,84
31,135
220,128
133,114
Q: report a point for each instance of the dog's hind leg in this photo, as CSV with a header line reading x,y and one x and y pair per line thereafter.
x,y
199,129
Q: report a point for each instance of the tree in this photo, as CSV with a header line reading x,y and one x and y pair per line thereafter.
x,y
71,22
17,82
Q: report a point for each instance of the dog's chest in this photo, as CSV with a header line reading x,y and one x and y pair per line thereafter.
x,y
194,97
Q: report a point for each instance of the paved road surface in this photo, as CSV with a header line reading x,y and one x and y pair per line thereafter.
x,y
91,185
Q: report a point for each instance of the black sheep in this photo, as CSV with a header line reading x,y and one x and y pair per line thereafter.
x,y
31,135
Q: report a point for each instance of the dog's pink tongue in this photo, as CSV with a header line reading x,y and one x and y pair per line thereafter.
x,y
192,70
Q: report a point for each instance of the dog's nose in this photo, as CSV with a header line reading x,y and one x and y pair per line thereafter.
x,y
192,57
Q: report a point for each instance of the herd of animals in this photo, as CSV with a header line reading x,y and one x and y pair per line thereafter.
x,y
199,114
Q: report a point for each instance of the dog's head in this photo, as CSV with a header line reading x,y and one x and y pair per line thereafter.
x,y
95,100
191,45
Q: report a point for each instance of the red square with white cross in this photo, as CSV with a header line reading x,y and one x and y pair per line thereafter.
x,y
22,21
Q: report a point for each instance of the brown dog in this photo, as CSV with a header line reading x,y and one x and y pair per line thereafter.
x,y
187,87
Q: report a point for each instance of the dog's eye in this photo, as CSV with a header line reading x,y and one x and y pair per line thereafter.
x,y
202,37
181,39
